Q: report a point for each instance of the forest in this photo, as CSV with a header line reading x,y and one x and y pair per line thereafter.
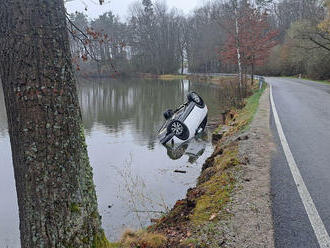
x,y
278,38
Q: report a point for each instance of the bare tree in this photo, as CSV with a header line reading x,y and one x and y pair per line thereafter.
x,y
237,43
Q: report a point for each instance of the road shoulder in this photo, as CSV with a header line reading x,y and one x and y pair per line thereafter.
x,y
252,223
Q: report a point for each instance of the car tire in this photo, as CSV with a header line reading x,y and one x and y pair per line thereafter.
x,y
194,97
179,129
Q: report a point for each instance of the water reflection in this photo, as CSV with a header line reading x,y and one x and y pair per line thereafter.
x,y
133,173
194,148
112,103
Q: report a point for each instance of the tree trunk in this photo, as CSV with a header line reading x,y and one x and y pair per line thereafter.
x,y
107,53
54,180
182,62
252,73
102,52
238,45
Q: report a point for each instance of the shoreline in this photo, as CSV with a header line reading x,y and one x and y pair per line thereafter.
x,y
166,77
193,77
214,212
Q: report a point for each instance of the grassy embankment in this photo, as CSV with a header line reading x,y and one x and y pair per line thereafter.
x,y
196,220
311,80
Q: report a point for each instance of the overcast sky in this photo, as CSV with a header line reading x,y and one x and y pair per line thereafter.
x,y
120,7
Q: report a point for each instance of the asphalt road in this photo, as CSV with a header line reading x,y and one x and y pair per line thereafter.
x,y
304,110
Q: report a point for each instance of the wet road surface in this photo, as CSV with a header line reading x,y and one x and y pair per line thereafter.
x,y
303,109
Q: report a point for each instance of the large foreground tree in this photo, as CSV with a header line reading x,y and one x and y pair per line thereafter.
x,y
54,181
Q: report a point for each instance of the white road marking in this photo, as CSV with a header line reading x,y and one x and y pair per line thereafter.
x,y
314,217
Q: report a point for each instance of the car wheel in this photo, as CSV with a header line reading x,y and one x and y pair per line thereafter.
x,y
194,97
179,129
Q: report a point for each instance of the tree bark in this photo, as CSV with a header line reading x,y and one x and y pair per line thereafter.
x,y
182,61
54,180
252,71
238,45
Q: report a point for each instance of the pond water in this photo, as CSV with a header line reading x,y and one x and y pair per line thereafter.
x,y
134,174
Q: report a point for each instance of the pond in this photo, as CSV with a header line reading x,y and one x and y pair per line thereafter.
x,y
134,174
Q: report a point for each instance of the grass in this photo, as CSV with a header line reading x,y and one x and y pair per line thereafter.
x,y
317,81
213,206
169,77
142,238
172,76
211,79
218,188
244,116
327,82
114,245
248,112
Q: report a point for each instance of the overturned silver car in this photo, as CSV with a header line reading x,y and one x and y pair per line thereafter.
x,y
185,122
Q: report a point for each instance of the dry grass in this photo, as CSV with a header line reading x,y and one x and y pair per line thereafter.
x,y
142,239
220,80
172,77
